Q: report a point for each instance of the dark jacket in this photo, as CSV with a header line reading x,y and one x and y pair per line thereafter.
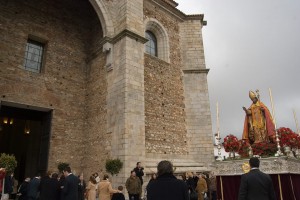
x,y
118,196
139,173
256,185
167,187
81,190
70,190
23,190
191,184
49,189
133,185
33,188
8,185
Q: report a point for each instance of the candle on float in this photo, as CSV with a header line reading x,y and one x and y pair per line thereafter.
x,y
296,121
272,104
218,122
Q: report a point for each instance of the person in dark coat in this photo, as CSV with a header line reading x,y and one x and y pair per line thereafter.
x,y
50,188
23,189
256,185
119,195
81,188
44,185
70,188
33,188
167,186
61,183
139,171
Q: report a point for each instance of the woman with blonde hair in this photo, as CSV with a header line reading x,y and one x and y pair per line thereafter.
x,y
105,190
91,188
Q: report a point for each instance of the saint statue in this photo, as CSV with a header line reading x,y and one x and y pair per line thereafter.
x,y
259,125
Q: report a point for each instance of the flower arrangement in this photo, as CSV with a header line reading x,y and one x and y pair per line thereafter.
x,y
244,149
231,143
264,149
288,138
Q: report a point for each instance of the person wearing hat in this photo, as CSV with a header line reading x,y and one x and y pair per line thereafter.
x,y
259,125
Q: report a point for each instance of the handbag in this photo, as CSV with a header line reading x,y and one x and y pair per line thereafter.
x,y
205,197
193,195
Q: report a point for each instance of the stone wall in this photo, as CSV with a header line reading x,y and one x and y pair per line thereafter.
x,y
66,27
164,95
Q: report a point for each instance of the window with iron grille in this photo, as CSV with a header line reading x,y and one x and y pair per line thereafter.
x,y
34,56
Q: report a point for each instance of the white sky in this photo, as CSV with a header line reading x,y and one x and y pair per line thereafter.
x,y
250,45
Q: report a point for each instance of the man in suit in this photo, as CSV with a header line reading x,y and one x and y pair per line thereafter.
x,y
70,188
255,184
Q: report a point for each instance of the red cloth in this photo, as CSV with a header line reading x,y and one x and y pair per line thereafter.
x,y
2,176
269,124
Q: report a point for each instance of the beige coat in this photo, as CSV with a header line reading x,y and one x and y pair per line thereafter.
x,y
201,188
105,190
91,190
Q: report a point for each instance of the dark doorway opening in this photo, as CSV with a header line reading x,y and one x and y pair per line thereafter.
x,y
25,133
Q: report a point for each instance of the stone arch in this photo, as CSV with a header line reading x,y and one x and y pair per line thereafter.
x,y
153,25
104,17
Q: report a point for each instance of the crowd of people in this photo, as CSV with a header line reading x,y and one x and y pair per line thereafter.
x,y
67,186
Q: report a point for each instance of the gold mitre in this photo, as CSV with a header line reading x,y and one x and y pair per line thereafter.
x,y
252,95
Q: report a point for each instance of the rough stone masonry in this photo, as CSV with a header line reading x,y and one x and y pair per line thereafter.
x,y
108,97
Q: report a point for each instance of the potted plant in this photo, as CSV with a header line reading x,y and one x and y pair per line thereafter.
x,y
8,162
113,166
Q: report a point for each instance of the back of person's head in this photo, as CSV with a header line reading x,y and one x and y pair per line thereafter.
x,y
105,177
164,167
120,188
49,173
93,180
67,169
254,162
54,175
189,175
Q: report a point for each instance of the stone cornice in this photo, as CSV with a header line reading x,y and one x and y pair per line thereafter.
x,y
128,33
177,13
122,34
195,71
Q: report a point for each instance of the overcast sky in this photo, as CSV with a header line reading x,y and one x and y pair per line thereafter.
x,y
250,45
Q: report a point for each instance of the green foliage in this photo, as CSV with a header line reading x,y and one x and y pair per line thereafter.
x,y
113,166
61,166
8,162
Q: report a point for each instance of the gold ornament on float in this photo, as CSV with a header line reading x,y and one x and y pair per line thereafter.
x,y
246,167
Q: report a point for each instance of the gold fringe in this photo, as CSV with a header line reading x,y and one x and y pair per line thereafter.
x,y
280,190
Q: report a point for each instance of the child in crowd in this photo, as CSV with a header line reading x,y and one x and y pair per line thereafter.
x,y
118,196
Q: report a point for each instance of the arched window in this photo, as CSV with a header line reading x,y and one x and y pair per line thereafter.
x,y
151,45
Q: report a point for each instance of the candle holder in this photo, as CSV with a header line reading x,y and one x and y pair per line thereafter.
x,y
278,153
219,158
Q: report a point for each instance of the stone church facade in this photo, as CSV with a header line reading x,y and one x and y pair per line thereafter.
x,y
108,96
